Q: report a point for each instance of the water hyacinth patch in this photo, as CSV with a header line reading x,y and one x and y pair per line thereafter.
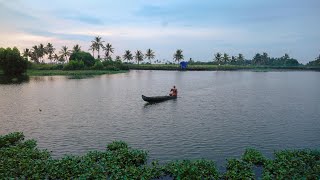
x,y
21,159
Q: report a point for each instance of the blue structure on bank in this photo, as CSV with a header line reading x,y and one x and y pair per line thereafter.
x,y
183,65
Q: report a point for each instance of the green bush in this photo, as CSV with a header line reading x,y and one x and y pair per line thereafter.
x,y
86,57
253,156
114,65
116,145
237,169
186,169
293,165
74,65
11,139
98,65
11,62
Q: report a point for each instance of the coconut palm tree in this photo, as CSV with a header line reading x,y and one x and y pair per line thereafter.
x,y
50,50
98,43
127,56
26,53
233,60
34,55
64,52
56,57
118,58
139,56
150,55
92,48
286,56
240,57
218,58
265,58
109,50
177,56
225,58
76,48
257,59
42,51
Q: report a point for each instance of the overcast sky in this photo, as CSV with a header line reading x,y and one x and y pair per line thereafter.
x,y
199,27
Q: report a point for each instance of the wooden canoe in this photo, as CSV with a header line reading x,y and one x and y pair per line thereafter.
x,y
157,98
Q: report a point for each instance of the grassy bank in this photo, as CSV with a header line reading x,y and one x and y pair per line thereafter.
x,y
209,67
71,73
21,159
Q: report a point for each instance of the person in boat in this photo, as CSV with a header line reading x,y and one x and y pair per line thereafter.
x,y
174,91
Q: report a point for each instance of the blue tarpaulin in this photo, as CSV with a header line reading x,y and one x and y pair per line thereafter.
x,y
183,65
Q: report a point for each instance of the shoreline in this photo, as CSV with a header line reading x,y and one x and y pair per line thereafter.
x,y
175,67
32,72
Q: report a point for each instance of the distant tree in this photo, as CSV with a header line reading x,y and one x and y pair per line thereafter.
x,y
127,56
108,50
34,55
150,55
240,58
139,56
64,52
56,57
11,62
257,59
42,51
92,48
98,43
50,50
286,56
85,57
225,58
26,53
218,57
76,48
177,56
316,62
118,58
233,60
265,58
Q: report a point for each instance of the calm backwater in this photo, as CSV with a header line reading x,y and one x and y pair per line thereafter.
x,y
217,114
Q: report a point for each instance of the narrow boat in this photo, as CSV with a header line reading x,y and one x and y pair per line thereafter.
x,y
158,98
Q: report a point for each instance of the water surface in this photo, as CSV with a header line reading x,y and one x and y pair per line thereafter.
x,y
217,115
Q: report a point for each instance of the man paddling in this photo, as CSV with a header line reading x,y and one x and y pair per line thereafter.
x,y
173,91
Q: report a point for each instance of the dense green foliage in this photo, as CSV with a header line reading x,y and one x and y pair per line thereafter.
x,y
302,164
258,60
74,65
316,62
21,159
11,62
86,57
213,67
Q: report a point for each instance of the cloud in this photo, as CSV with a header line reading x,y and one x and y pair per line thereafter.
x,y
80,37
83,18
200,28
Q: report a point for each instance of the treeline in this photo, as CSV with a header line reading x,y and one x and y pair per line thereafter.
x,y
316,62
38,52
21,159
258,60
